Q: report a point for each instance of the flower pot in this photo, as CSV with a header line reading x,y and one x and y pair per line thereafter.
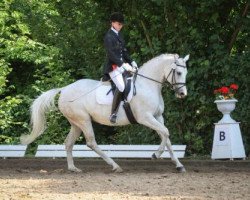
x,y
226,107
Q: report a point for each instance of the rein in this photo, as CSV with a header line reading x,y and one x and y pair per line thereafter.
x,y
148,78
173,81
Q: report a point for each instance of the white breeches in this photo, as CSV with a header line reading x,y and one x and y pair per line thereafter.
x,y
117,78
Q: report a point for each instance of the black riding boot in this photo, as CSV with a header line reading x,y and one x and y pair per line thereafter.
x,y
115,106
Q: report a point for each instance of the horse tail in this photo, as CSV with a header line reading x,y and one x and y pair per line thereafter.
x,y
39,107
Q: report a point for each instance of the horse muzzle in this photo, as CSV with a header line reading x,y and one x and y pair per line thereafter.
x,y
181,93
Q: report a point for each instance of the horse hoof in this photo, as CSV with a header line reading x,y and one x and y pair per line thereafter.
x,y
74,169
181,169
118,170
154,156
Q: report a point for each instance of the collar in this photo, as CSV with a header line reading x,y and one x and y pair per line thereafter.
x,y
114,30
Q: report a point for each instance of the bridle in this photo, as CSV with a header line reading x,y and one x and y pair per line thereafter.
x,y
173,79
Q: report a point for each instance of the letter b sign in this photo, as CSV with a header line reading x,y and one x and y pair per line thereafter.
x,y
222,136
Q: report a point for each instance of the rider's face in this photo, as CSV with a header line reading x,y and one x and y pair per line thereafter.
x,y
117,26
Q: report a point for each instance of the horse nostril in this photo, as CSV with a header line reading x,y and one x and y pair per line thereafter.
x,y
182,94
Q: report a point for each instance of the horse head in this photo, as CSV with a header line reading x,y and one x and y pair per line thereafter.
x,y
177,76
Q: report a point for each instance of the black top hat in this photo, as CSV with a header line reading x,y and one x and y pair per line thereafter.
x,y
117,17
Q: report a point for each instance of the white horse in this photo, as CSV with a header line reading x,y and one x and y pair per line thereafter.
x,y
77,102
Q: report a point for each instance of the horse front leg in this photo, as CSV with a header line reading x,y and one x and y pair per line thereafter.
x,y
178,164
163,137
158,125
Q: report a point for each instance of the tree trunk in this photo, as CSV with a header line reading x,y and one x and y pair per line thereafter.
x,y
238,27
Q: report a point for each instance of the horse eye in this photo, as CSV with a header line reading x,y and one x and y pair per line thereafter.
x,y
178,73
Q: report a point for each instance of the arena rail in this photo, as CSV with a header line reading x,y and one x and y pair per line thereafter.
x,y
15,151
114,151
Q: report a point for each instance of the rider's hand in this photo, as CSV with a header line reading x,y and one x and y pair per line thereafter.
x,y
128,67
134,65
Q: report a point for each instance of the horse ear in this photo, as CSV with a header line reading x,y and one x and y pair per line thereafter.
x,y
186,58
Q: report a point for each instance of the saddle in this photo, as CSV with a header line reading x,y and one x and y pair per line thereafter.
x,y
104,95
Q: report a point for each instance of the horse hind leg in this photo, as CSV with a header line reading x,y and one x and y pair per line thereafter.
x,y
69,143
91,143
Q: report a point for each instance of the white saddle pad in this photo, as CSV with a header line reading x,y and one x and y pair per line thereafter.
x,y
103,98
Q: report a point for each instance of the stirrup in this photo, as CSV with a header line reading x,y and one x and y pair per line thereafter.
x,y
112,118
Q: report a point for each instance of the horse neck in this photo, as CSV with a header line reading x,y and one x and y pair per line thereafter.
x,y
156,70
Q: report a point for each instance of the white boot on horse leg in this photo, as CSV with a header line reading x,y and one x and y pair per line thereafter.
x,y
69,143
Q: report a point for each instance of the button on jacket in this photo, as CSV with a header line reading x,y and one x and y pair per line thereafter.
x,y
117,53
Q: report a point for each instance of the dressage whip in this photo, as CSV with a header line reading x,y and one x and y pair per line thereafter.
x,y
92,89
86,93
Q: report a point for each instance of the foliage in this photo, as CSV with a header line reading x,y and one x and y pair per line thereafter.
x,y
47,44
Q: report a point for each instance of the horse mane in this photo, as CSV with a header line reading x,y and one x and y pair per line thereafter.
x,y
165,56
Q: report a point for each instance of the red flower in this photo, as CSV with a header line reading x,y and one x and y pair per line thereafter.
x,y
224,90
234,86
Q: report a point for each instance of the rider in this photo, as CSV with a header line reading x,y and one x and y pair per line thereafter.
x,y
118,60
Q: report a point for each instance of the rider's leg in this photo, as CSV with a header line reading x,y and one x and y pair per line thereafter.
x,y
127,80
115,105
117,78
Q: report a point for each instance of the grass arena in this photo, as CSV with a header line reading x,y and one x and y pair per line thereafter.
x,y
142,179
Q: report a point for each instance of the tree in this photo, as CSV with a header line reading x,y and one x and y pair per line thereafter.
x,y
47,44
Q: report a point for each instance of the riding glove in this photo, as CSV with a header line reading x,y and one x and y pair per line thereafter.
x,y
134,65
127,67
